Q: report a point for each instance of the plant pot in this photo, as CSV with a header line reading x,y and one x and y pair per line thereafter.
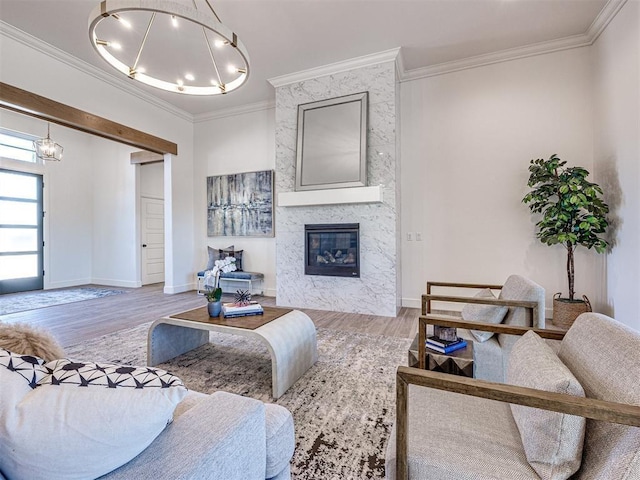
x,y
214,308
565,311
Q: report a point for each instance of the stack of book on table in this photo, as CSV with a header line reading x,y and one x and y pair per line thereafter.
x,y
235,310
445,346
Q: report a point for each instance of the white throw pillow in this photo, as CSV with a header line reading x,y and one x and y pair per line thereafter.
x,y
552,441
81,420
475,312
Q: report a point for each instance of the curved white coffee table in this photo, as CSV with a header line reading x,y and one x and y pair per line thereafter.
x,y
290,338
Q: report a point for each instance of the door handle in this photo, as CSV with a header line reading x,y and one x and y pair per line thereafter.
x,y
144,245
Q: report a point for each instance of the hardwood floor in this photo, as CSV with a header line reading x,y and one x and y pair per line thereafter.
x,y
76,322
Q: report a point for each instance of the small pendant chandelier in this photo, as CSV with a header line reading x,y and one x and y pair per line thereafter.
x,y
169,45
47,149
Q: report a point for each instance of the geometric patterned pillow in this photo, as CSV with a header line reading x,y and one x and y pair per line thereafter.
x,y
82,374
28,367
19,375
230,252
82,420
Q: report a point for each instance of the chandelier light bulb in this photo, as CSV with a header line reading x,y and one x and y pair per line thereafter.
x,y
220,43
125,23
105,43
189,77
174,21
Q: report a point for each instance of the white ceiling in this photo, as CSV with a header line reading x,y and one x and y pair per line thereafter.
x,y
287,36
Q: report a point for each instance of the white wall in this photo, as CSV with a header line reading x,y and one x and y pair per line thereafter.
x,y
22,64
234,144
89,203
114,215
68,205
616,73
467,138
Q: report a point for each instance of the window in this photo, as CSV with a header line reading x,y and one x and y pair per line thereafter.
x,y
17,146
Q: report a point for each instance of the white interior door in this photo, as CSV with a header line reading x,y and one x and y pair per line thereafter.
x,y
152,235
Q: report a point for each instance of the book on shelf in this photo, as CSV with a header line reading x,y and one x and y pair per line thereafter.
x,y
449,349
443,343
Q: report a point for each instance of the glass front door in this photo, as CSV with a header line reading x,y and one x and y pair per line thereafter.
x,y
21,241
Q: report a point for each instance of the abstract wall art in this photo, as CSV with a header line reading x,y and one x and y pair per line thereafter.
x,y
240,204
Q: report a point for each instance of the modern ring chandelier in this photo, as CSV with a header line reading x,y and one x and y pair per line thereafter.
x,y
169,45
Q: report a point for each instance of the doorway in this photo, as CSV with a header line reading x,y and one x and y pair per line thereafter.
x,y
21,232
152,233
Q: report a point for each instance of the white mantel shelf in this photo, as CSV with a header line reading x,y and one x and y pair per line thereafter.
x,y
331,197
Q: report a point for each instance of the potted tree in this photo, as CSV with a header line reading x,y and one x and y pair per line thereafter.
x,y
573,214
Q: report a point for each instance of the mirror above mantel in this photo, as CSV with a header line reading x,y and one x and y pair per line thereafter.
x,y
331,148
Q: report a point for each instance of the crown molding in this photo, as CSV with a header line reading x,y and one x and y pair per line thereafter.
x,y
233,111
332,68
566,43
400,69
586,39
62,56
608,12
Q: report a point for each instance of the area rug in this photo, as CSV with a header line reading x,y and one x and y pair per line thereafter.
x,y
343,407
20,302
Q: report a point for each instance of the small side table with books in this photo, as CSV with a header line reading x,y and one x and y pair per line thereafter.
x,y
456,362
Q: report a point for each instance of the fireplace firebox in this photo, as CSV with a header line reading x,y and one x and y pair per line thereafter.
x,y
332,250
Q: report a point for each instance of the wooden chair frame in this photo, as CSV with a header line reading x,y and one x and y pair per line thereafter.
x,y
447,321
585,407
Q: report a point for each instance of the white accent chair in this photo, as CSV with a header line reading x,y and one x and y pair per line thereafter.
x,y
455,428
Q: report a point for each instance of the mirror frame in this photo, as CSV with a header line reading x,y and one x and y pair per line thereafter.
x,y
363,100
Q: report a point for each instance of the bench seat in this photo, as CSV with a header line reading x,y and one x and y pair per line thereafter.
x,y
229,279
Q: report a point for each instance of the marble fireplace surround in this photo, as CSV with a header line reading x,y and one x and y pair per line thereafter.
x,y
375,208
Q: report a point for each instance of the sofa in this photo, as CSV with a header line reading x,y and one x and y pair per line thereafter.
x,y
221,435
62,418
520,303
585,424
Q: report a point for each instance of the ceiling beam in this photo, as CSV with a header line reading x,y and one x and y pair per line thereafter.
x,y
145,157
22,101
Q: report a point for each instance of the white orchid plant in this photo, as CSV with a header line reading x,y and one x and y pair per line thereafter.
x,y
212,278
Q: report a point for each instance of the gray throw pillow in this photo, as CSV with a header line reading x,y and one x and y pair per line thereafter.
x,y
474,312
552,441
216,254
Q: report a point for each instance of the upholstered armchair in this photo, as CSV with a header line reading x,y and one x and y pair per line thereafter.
x,y
520,303
584,423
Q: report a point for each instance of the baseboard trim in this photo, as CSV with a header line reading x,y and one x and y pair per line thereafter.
x,y
66,284
108,282
171,289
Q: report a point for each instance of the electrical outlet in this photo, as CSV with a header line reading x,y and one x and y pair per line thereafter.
x,y
418,237
409,237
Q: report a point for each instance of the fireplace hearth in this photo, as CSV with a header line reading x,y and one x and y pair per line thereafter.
x,y
332,249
